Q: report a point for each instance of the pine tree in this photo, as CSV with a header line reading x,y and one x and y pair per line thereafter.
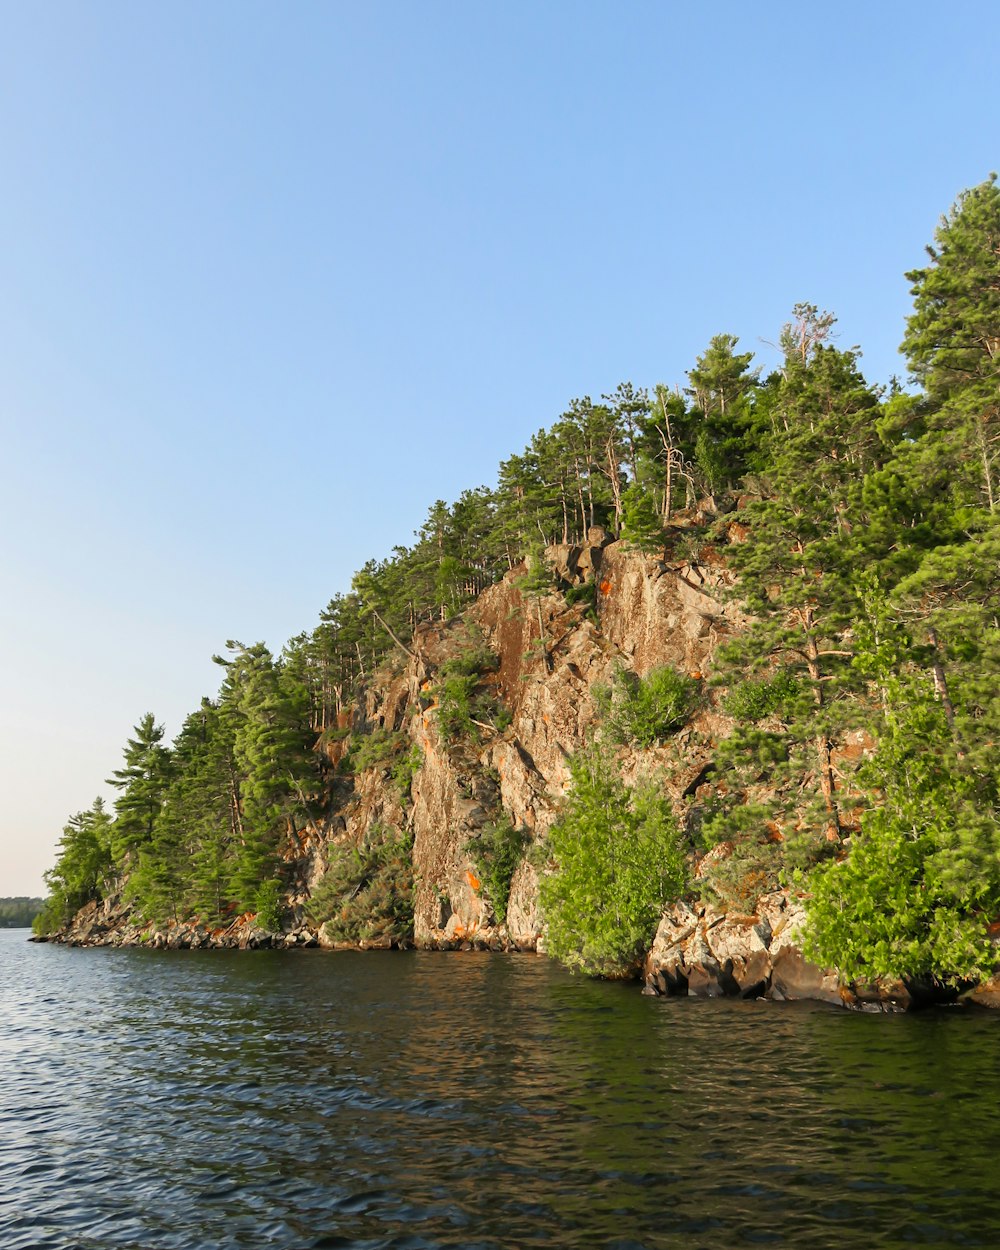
x,y
721,386
267,711
143,782
796,578
952,344
83,866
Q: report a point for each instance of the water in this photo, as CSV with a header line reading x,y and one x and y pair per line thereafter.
x,y
208,1100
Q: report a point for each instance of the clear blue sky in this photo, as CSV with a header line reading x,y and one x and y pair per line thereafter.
x,y
274,277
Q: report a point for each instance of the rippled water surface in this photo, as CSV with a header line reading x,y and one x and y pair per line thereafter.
x,y
201,1100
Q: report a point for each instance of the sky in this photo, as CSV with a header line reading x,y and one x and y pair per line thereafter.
x,y
275,277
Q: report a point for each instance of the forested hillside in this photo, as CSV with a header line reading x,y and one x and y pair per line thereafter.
x,y
845,723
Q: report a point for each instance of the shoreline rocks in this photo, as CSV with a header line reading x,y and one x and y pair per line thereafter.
x,y
701,952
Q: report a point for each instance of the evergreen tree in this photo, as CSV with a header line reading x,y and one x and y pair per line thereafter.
x,y
83,866
143,782
642,525
721,386
796,577
267,711
952,344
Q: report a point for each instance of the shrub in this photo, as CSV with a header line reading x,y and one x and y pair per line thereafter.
x,y
619,860
586,595
475,662
51,917
406,768
913,897
461,698
374,749
267,903
455,698
496,851
754,699
738,880
643,711
367,892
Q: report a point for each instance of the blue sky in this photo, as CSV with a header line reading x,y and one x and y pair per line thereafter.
x,y
275,277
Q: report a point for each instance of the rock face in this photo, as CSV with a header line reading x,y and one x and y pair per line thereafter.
x,y
550,657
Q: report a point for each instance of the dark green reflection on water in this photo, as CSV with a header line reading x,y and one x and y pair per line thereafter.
x,y
424,1100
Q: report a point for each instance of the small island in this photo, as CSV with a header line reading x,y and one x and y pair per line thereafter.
x,y
704,690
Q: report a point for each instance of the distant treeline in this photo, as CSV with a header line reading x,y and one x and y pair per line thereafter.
x,y
18,913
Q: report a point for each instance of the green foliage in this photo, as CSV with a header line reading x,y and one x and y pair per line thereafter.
x,y
50,917
455,707
722,387
951,344
84,864
642,524
642,711
476,661
406,769
496,850
586,595
143,782
737,880
20,912
463,699
374,750
756,699
921,881
366,894
618,861
267,903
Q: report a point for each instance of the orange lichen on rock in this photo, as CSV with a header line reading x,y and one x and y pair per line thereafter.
x,y
472,879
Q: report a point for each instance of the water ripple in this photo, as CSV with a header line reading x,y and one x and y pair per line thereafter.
x,y
208,1101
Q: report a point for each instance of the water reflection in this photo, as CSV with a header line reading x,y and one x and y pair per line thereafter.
x,y
206,1099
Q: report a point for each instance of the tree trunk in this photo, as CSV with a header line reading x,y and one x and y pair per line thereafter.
x,y
941,681
823,745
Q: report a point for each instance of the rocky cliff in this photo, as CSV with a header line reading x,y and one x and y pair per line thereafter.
x,y
637,613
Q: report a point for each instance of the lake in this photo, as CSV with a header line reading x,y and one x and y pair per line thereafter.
x,y
207,1100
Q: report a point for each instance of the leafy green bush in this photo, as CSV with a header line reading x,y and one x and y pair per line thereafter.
x,y
51,917
921,881
586,595
367,892
619,860
496,851
462,699
375,749
754,699
268,905
475,662
643,711
455,704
